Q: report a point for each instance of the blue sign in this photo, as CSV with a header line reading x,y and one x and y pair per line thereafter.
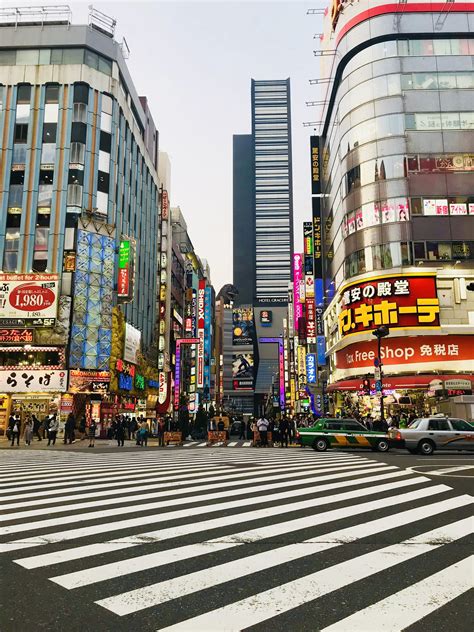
x,y
378,386
153,384
125,382
319,292
321,348
311,368
207,343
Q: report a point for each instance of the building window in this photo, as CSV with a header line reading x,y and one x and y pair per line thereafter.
x,y
77,153
79,113
12,243
81,93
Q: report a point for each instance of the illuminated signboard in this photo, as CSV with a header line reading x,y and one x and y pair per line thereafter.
x,y
243,330
207,342
297,283
126,270
201,307
407,301
13,336
311,368
165,205
308,238
310,322
317,239
266,318
315,166
177,368
281,364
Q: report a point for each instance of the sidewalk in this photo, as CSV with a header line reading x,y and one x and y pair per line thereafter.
x,y
78,444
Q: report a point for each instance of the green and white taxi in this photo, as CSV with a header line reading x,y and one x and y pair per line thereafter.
x,y
342,433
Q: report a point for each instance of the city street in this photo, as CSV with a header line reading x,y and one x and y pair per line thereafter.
x,y
190,538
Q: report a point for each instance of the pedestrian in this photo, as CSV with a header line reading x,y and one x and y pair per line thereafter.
x,y
82,427
284,431
120,431
262,427
36,426
28,432
69,435
142,434
243,429
14,428
53,429
91,433
161,433
133,429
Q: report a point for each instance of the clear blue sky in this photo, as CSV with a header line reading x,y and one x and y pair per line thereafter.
x,y
194,61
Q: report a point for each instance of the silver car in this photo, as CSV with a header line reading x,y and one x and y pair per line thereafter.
x,y
427,434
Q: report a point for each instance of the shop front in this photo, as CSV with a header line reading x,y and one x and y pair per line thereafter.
x,y
90,393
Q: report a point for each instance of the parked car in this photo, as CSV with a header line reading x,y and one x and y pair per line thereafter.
x,y
342,433
427,434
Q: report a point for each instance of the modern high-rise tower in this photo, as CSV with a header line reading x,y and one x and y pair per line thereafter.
x,y
263,197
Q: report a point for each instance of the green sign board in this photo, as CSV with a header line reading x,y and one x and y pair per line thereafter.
x,y
124,254
139,382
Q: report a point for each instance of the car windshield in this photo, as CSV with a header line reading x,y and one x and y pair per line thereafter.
x,y
460,424
415,423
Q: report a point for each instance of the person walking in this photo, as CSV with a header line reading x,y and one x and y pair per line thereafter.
x,y
262,427
14,428
142,434
161,433
28,432
69,435
91,433
284,432
53,429
120,431
243,430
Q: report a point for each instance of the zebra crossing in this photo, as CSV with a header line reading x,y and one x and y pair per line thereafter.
x,y
232,540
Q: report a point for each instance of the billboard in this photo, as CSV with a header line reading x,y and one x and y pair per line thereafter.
x,y
89,381
310,322
242,371
404,301
315,166
207,342
133,339
297,282
266,318
126,270
28,300
317,239
28,380
243,329
311,367
15,336
201,304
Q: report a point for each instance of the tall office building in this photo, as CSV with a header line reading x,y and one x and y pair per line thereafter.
x,y
396,171
263,241
263,197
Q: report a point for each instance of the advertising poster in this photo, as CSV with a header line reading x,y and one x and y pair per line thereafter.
x,y
89,381
207,342
28,300
126,270
266,318
243,329
297,283
242,371
133,339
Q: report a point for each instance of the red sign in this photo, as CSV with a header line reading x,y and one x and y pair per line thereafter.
x,y
411,350
123,277
12,336
125,367
310,322
165,205
407,301
399,382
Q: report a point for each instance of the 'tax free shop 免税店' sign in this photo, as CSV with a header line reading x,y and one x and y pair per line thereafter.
x,y
407,301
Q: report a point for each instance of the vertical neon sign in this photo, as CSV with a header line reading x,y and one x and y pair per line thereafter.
x,y
297,282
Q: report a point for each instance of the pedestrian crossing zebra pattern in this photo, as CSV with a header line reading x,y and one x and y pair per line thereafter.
x,y
236,540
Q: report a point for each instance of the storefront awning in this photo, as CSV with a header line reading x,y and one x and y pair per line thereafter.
x,y
402,382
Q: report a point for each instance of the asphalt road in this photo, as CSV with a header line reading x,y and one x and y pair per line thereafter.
x,y
235,539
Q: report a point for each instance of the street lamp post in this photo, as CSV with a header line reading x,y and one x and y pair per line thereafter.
x,y
379,333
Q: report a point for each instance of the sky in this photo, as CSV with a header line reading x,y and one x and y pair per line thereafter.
x,y
194,61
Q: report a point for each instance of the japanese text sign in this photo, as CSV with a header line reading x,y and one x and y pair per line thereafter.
x,y
32,381
315,166
404,301
311,368
14,336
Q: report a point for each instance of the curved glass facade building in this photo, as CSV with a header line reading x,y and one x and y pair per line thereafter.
x,y
397,176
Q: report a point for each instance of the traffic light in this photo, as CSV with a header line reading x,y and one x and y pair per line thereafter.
x,y
366,385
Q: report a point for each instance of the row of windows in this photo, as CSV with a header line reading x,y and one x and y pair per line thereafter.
x,y
437,80
428,47
431,121
395,254
47,56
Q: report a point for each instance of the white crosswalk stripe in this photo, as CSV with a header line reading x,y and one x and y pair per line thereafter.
x,y
173,533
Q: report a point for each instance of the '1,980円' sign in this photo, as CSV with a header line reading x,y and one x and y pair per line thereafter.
x,y
406,301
